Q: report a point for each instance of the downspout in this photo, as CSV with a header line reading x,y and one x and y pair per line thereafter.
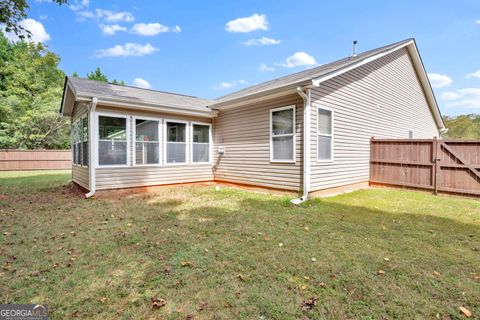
x,y
306,145
91,150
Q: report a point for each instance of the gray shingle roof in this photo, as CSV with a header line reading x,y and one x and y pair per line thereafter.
x,y
307,75
96,88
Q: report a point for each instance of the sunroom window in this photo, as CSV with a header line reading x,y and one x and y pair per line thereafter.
x,y
85,141
176,142
324,134
200,143
112,142
282,133
147,142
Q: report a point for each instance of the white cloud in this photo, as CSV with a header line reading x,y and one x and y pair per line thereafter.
x,y
468,98
264,67
228,85
299,59
247,24
112,16
475,74
37,32
439,80
478,21
263,41
111,29
141,83
151,29
76,5
106,15
126,50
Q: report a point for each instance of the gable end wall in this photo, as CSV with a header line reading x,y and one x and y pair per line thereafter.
x,y
382,99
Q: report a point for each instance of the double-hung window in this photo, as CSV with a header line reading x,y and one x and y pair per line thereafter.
x,y
112,140
85,141
324,134
201,136
147,141
176,142
282,134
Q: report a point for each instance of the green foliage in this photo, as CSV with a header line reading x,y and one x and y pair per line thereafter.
x,y
31,86
12,12
463,127
97,75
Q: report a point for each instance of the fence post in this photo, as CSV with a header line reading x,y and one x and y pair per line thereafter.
x,y
435,167
370,165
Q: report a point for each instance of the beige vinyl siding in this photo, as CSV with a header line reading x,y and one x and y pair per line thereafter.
x,y
80,173
382,99
245,134
137,176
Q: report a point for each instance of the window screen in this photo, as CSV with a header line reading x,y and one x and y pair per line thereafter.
x,y
112,140
201,143
85,141
176,142
282,133
324,134
147,142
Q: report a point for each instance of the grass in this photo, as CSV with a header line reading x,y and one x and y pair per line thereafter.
x,y
231,254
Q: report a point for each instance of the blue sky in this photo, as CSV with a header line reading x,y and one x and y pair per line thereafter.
x,y
209,49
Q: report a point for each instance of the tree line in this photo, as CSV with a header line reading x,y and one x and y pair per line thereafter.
x,y
31,86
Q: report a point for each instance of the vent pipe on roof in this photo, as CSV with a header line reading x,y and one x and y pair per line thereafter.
x,y
354,53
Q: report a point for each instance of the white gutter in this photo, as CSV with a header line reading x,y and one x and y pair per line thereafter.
x,y
91,150
306,145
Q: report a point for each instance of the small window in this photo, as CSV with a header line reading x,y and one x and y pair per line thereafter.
x,y
324,134
147,142
85,141
112,140
282,134
200,143
176,145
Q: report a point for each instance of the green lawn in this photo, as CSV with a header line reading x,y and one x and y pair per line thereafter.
x,y
231,254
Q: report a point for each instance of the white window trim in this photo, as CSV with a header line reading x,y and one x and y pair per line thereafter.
x,y
134,139
294,134
332,135
210,153
97,137
165,136
74,142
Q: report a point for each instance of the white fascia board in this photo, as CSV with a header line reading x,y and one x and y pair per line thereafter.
x,y
328,76
147,106
417,62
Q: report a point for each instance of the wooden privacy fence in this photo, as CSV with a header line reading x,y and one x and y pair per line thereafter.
x,y
35,159
434,164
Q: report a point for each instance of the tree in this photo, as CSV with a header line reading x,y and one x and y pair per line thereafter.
x,y
465,126
75,74
12,12
31,87
97,75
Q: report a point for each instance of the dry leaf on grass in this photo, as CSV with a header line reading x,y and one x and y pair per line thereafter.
x,y
381,272
157,303
309,304
467,313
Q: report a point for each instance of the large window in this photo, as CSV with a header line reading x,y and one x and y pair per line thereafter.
x,y
324,134
112,140
147,142
176,143
200,143
282,134
74,143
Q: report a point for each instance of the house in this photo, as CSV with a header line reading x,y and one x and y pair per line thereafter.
x,y
308,132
